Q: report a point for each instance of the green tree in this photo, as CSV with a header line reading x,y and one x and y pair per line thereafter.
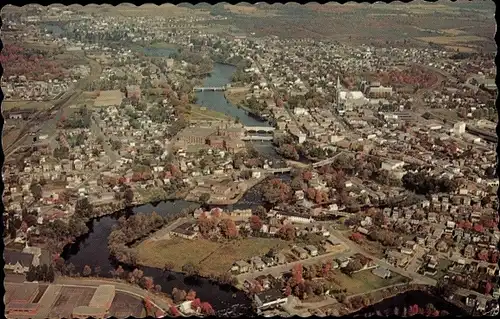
x,y
204,198
36,190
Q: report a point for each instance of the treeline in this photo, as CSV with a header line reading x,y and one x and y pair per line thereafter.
x,y
130,230
136,227
424,184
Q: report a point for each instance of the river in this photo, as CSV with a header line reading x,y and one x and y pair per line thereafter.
x,y
406,299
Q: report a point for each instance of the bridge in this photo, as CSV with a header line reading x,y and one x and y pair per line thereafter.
x,y
210,88
259,129
257,138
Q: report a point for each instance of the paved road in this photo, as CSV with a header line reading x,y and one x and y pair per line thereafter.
x,y
276,270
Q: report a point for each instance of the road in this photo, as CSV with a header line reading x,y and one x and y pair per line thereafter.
x,y
96,130
276,270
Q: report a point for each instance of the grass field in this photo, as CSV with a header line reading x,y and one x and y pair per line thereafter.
x,y
9,105
235,97
212,257
365,281
202,113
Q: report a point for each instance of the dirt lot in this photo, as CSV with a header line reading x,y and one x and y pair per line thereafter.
x,y
364,281
69,298
212,257
125,305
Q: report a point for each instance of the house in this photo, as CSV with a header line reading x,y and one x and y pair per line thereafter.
x,y
258,263
469,251
17,262
241,266
295,218
269,299
382,272
280,258
470,300
481,304
312,250
300,252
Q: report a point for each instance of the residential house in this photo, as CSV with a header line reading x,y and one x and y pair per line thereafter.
x,y
268,299
257,263
313,251
241,266
17,262
300,252
382,272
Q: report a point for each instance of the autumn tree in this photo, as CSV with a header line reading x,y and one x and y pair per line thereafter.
x,y
204,198
356,237
146,283
287,232
353,266
255,223
228,228
207,309
168,266
178,295
191,295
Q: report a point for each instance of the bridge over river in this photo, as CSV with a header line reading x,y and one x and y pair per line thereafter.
x,y
209,88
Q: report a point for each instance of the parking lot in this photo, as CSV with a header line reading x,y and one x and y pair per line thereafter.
x,y
69,298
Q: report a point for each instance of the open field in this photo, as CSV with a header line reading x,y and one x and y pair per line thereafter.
x,y
198,112
151,10
69,298
235,97
212,257
125,305
250,10
9,105
364,281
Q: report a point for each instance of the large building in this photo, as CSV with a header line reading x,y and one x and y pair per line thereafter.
x,y
99,305
19,301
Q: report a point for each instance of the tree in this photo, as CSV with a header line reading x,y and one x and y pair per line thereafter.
x,y
255,223
97,270
297,272
120,272
128,196
356,237
353,266
36,191
146,283
207,309
50,274
204,198
83,208
168,266
261,212
487,288
191,295
228,228
190,269
483,255
178,295
478,228
287,232
86,271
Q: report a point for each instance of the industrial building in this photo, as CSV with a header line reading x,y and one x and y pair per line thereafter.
x,y
99,305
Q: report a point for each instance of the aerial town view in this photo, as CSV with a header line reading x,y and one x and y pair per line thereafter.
x,y
251,159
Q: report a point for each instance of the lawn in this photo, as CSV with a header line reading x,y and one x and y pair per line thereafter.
x,y
203,113
212,257
365,281
9,105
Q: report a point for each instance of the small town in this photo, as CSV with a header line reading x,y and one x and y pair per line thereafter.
x,y
181,160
